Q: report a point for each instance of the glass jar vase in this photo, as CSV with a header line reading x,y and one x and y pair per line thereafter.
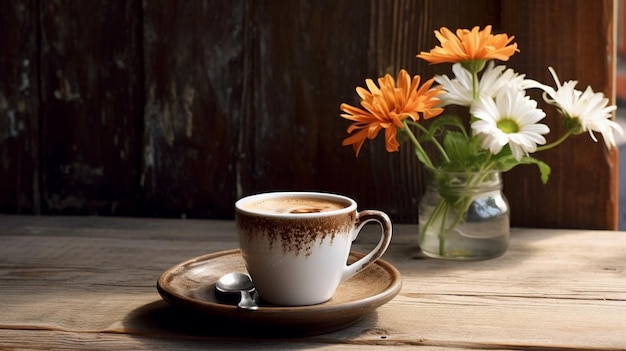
x,y
464,216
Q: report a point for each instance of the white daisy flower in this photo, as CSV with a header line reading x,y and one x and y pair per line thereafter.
x,y
589,109
511,118
493,79
459,90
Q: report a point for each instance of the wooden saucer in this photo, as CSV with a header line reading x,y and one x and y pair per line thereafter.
x,y
191,285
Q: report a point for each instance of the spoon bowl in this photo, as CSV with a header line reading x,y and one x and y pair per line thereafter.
x,y
238,283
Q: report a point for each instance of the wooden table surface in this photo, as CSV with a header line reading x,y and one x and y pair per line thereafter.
x,y
89,283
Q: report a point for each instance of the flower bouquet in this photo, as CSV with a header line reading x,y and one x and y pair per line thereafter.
x,y
463,214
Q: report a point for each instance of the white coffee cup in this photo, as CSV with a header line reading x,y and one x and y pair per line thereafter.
x,y
296,244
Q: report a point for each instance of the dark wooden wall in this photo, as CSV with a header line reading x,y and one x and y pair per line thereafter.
x,y
177,108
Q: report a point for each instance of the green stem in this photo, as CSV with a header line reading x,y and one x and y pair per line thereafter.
x,y
440,213
442,210
475,85
434,140
433,216
418,147
443,231
555,143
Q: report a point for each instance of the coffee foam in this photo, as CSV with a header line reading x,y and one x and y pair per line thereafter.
x,y
294,205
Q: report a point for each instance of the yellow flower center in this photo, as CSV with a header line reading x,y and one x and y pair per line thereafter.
x,y
508,126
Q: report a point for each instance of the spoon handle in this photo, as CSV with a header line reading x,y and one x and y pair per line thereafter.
x,y
247,303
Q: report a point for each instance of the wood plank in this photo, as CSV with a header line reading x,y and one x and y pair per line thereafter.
x,y
583,188
91,94
12,339
19,105
307,57
242,97
547,292
195,87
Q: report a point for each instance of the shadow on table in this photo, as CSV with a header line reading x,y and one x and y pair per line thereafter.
x,y
409,259
160,319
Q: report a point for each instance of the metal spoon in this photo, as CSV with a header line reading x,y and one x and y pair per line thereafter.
x,y
236,282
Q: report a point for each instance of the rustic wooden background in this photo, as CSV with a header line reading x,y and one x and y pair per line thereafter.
x,y
177,108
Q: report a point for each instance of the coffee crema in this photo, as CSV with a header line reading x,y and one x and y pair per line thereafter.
x,y
294,205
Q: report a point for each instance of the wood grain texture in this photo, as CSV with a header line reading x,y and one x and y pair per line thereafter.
x,y
19,104
580,193
67,282
195,91
177,109
91,96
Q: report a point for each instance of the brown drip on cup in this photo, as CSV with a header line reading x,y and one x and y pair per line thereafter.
x,y
295,236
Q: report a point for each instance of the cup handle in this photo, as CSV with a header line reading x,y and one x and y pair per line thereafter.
x,y
364,217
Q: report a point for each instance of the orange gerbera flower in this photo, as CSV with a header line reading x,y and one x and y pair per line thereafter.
x,y
386,108
469,45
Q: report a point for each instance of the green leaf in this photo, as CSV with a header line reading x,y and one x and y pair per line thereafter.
x,y
544,169
441,124
505,161
421,157
464,152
